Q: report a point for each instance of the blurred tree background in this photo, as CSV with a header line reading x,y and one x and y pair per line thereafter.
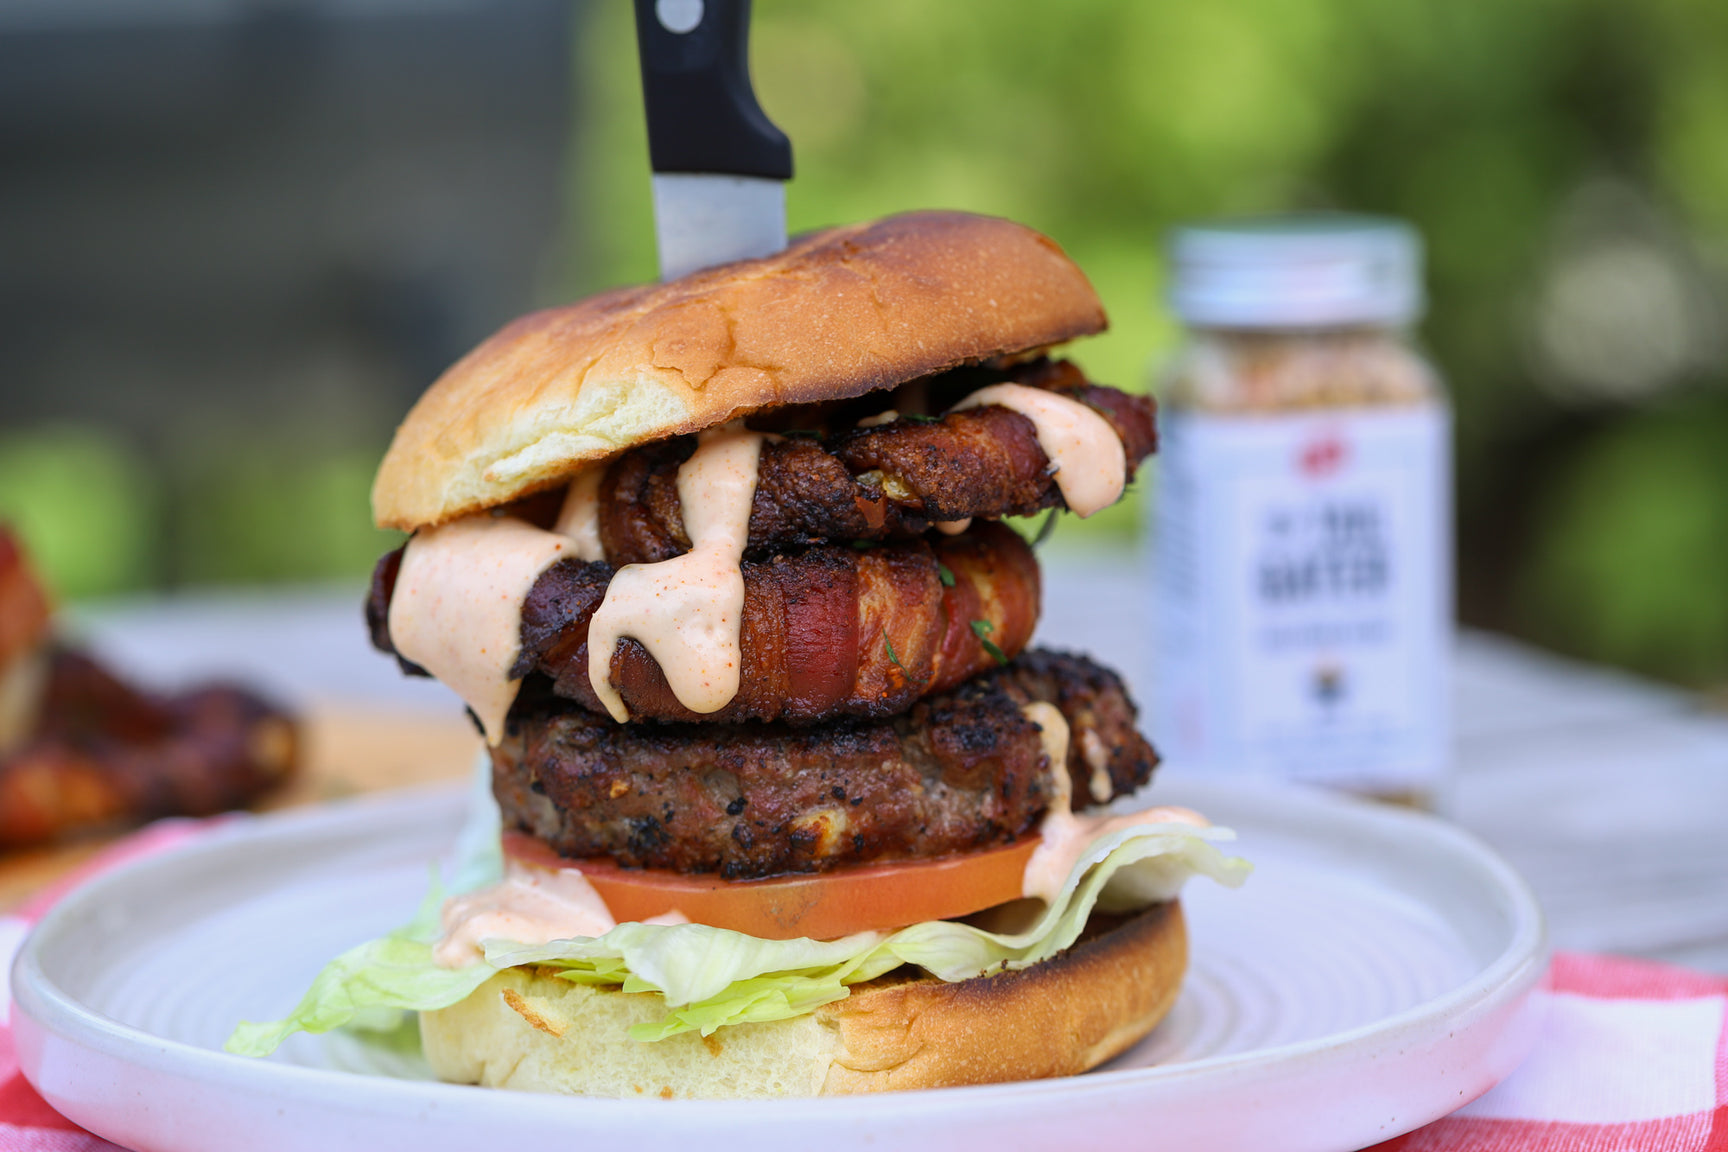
x,y
1566,160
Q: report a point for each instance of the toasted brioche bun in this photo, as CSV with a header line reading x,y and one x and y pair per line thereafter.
x,y
837,314
535,1032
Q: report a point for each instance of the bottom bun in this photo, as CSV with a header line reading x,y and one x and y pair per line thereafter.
x,y
535,1032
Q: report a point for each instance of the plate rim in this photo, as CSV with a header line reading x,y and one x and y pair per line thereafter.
x,y
37,996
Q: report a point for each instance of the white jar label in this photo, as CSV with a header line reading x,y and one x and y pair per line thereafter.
x,y
1303,595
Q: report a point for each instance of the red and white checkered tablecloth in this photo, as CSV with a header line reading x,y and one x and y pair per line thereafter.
x,y
1634,1059
27,1124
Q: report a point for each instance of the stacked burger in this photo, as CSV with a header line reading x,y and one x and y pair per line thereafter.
x,y
788,804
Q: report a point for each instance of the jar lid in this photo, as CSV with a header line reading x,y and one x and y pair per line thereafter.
x,y
1297,272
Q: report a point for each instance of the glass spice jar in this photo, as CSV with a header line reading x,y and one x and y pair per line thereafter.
x,y
1302,534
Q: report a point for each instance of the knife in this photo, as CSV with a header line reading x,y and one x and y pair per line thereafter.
x,y
720,165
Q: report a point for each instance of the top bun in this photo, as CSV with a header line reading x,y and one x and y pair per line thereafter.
x,y
838,313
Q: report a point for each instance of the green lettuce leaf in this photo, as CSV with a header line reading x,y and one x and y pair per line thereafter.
x,y
374,985
712,977
370,985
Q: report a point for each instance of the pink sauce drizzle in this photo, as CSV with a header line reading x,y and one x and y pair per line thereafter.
x,y
1091,464
457,608
579,518
687,611
1066,836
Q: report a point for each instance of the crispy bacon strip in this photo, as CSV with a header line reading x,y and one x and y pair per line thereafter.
x,y
830,632
885,482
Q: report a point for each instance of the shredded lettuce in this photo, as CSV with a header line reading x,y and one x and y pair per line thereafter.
x,y
712,977
373,986
369,985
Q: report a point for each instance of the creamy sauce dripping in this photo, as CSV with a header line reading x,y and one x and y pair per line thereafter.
x,y
1066,836
579,518
1097,758
687,611
457,608
1091,464
529,906
953,527
532,905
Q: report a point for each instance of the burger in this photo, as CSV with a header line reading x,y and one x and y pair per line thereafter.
x,y
786,803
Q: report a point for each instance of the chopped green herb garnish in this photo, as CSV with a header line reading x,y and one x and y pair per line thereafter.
x,y
982,630
863,545
944,574
919,418
895,660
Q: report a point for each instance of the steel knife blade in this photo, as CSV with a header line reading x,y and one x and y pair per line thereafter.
x,y
720,165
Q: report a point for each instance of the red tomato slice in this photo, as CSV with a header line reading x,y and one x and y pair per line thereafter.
x,y
820,905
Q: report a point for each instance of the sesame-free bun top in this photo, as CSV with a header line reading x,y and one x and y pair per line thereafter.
x,y
836,314
530,1030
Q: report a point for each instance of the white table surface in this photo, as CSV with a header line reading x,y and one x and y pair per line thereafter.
x,y
1607,791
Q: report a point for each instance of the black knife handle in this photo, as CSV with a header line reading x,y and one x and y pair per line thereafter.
x,y
702,112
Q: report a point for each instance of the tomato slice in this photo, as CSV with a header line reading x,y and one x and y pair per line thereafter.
x,y
820,905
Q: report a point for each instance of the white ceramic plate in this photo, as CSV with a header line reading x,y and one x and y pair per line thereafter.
x,y
1374,974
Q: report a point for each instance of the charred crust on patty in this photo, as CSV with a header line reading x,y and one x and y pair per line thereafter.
x,y
958,772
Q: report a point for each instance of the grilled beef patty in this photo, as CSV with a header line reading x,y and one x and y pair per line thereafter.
x,y
960,771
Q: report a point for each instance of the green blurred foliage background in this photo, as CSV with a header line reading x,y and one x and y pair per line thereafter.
x,y
1566,161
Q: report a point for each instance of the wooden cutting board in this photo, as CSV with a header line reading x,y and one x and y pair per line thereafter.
x,y
345,751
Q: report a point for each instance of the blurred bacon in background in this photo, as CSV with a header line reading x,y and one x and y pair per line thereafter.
x,y
24,616
240,236
83,751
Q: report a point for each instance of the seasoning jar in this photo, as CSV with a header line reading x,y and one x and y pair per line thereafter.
x,y
1302,540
